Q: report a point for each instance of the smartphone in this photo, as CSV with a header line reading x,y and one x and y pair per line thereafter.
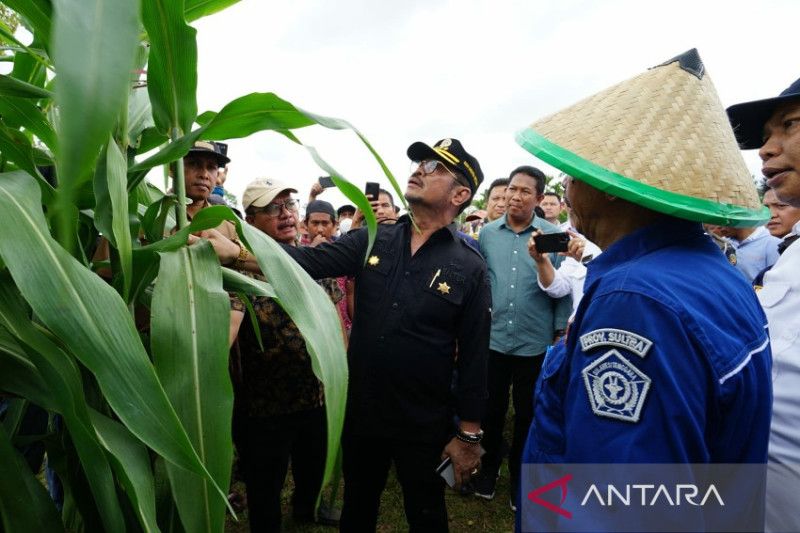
x,y
326,182
372,190
551,242
446,471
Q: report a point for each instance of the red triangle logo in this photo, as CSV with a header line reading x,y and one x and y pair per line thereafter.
x,y
561,482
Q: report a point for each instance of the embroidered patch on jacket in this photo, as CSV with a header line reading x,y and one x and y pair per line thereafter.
x,y
616,388
616,337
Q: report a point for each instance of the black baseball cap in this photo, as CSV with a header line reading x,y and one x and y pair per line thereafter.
x,y
320,206
346,208
218,150
748,118
452,153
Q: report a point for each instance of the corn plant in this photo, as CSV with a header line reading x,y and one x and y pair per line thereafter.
x,y
141,416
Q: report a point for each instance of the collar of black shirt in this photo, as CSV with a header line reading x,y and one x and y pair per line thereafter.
x,y
451,228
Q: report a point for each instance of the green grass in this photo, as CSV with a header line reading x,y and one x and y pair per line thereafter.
x,y
464,512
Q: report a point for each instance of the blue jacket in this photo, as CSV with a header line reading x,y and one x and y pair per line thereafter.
x,y
667,361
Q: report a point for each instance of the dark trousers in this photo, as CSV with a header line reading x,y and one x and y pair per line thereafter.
x,y
265,446
520,374
366,463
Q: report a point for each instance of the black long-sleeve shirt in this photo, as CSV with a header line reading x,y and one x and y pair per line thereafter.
x,y
411,313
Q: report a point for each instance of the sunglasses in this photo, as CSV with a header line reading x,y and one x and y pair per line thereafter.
x,y
429,166
274,210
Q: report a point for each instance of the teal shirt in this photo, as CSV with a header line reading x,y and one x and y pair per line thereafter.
x,y
524,318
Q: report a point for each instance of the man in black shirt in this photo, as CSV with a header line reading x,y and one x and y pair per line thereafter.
x,y
422,310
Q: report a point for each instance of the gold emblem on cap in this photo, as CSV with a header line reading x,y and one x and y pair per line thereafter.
x,y
374,260
445,143
444,288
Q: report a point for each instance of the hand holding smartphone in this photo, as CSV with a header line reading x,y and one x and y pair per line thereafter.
x,y
551,242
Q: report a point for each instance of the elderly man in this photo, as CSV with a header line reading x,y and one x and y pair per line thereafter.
x,y
279,409
773,127
656,367
423,311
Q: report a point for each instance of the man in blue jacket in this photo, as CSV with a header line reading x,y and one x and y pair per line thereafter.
x,y
668,359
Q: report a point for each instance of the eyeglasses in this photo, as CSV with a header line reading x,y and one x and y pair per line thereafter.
x,y
274,210
428,166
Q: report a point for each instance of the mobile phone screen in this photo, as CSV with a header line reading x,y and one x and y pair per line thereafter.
x,y
326,182
551,242
371,190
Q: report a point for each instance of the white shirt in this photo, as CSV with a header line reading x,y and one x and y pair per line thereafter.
x,y
569,277
780,298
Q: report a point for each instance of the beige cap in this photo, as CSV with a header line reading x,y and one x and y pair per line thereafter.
x,y
262,191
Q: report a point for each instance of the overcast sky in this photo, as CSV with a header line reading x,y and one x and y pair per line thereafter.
x,y
477,71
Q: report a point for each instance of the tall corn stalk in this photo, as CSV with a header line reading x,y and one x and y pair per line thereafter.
x,y
144,441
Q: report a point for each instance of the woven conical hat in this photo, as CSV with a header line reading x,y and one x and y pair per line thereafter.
x,y
661,140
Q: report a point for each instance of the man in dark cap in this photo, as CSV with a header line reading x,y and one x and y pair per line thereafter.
x,y
773,127
421,295
200,171
320,221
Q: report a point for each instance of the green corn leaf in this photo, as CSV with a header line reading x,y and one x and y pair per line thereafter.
x,y
310,309
28,68
140,115
24,504
15,409
61,375
304,301
196,9
266,111
94,48
111,211
234,281
189,339
172,65
36,13
17,148
155,218
18,375
131,463
13,87
22,112
318,321
92,321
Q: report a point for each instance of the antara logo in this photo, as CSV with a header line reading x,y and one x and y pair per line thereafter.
x,y
644,495
562,483
651,495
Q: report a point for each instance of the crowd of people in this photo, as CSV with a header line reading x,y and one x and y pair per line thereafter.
x,y
640,342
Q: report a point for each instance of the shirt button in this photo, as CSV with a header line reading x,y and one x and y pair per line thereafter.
x,y
380,338
513,269
510,321
512,286
511,304
407,273
394,305
515,251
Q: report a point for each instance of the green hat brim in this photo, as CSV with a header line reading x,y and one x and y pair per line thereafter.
x,y
669,203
